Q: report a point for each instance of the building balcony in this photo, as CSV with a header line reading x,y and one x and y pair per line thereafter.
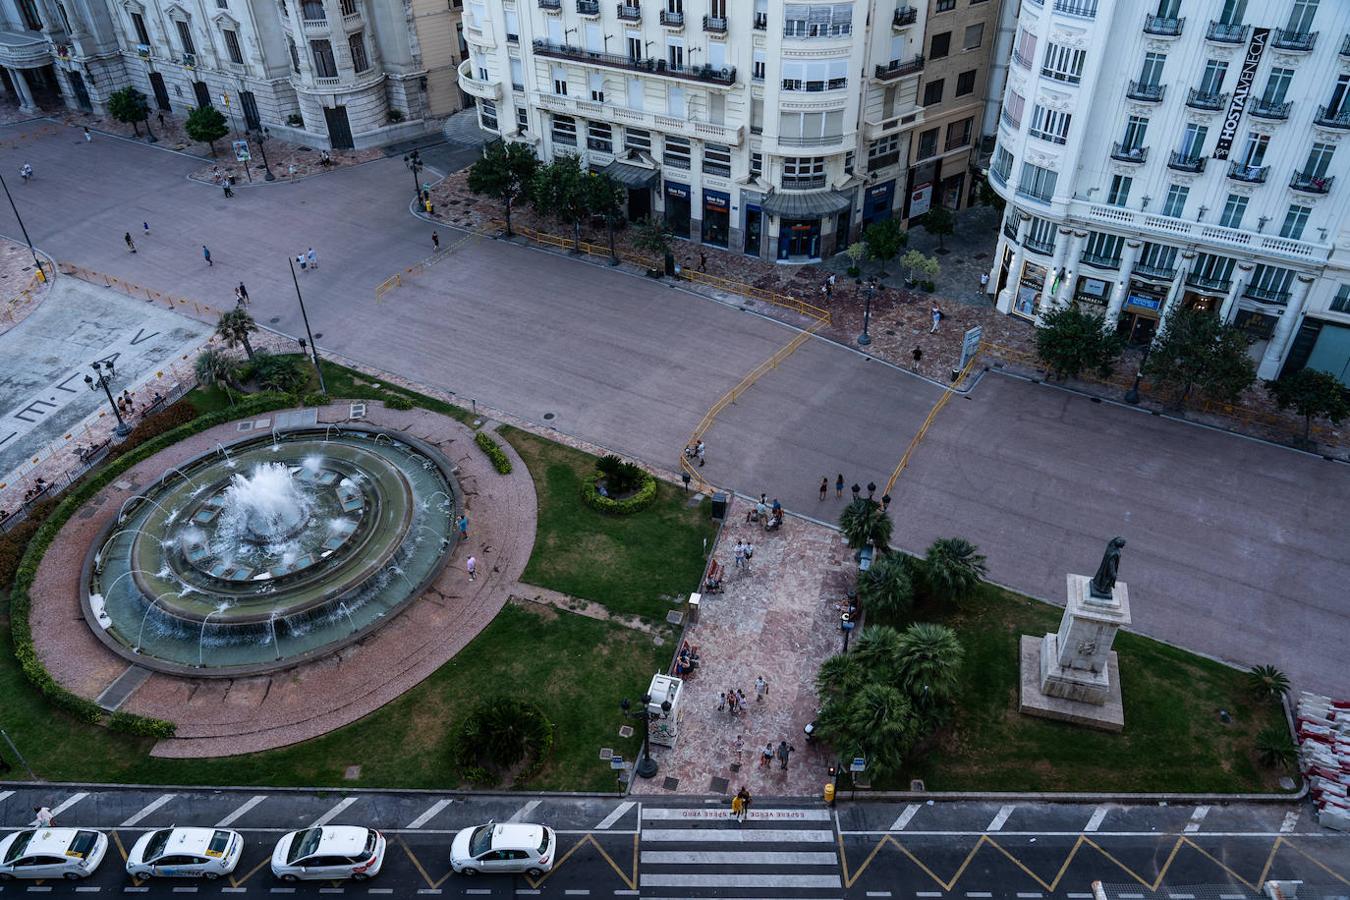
x,y
999,177
1129,154
761,21
1328,119
1183,163
1268,109
588,7
1206,100
1164,273
1171,230
1150,93
1294,40
489,90
1249,174
813,141
630,13
715,24
672,19
1083,9
803,182
1010,228
1163,27
731,135
314,26
659,67
1223,33
1101,260
1039,246
904,16
877,163
1209,283
898,68
1345,46
143,51
1266,295
1311,184
551,5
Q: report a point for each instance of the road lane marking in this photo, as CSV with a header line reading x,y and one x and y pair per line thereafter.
x,y
234,890
1096,821
235,816
1124,896
619,812
88,889
67,804
520,814
430,814
928,893
1290,822
1000,818
765,880
282,891
185,890
978,894
577,891
738,858
380,891
1029,895
757,836
5,795
478,890
763,815
878,893
334,812
1079,896
148,809
1223,896
903,819
1196,818
428,890
38,889
1182,896
528,891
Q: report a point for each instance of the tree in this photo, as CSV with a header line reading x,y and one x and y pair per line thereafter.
x,y
953,568
940,221
877,722
930,663
1267,681
856,252
206,123
234,327
864,522
605,197
559,191
884,240
504,172
654,237
1072,340
1196,350
1276,748
1313,395
917,264
130,106
885,589
216,368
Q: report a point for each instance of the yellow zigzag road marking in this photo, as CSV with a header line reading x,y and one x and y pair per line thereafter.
x,y
629,881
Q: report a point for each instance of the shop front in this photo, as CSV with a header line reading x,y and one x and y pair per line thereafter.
x,y
1321,345
1259,327
754,223
878,202
923,180
1029,286
1202,300
638,181
716,218
1092,292
801,221
952,188
677,209
1140,313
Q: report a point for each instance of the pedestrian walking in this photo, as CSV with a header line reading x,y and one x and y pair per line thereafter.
x,y
917,354
824,486
839,485
856,489
206,255
146,226
702,261
738,749
984,281
161,120
311,258
42,817
740,698
229,191
830,281
435,240
243,293
739,556
937,318
472,566
738,806
722,702
88,135
698,451
744,796
238,298
784,751
766,756
827,289
749,552
761,688
463,523
131,245
300,261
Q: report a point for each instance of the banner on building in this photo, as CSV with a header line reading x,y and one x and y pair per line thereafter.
x,y
1246,78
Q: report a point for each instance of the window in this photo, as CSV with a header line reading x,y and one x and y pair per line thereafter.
x,y
1041,235
565,131
1135,129
1049,125
1013,106
756,115
597,87
810,129
974,36
1271,284
348,8
1151,73
295,54
1319,160
932,92
459,37
965,83
1301,16
756,165
940,45
517,74
635,93
677,152
324,65
1294,221
487,114
1233,209
883,152
1161,258
848,162
138,22
1025,50
675,55
313,10
1212,81
1341,302
757,66
958,133
232,47
1193,141
1213,270
802,20
1338,96
637,139
944,6
522,119
1119,194
1002,166
560,81
1037,183
676,104
717,160
1233,12
815,74
512,27
599,137
1277,85
30,15
1255,152
1175,204
1063,64
928,143
1103,248
356,43
803,172
185,37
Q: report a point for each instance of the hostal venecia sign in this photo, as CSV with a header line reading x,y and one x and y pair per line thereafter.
x,y
1242,92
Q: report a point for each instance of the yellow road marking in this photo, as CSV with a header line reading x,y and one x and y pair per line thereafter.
x,y
942,401
236,882
117,841
629,882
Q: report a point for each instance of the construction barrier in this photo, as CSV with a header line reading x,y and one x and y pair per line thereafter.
x,y
180,304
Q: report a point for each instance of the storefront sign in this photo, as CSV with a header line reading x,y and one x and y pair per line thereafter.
x,y
1139,301
920,200
677,190
1092,290
716,201
970,345
1243,90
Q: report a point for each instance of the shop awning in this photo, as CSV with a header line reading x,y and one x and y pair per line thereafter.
x,y
631,176
806,206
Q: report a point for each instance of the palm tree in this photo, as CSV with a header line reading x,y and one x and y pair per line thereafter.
x,y
1268,681
877,723
215,367
1276,748
953,568
841,675
930,662
234,327
864,522
885,589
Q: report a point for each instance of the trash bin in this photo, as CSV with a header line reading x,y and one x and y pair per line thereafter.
x,y
694,602
719,506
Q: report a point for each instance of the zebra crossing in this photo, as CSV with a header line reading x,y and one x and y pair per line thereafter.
x,y
690,852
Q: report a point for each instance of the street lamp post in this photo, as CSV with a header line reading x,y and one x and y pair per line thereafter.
x,y
103,379
313,347
1132,395
646,766
864,339
262,135
27,240
414,163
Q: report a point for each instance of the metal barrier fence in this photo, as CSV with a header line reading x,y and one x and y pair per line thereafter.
x,y
24,295
180,304
946,397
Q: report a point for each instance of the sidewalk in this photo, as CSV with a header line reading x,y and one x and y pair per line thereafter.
x,y
20,291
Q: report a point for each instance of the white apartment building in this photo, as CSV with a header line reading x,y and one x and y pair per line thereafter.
x,y
1163,152
773,127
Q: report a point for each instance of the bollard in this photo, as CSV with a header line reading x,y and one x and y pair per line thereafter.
x,y
829,793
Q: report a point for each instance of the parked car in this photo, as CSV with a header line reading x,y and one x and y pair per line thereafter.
x,y
71,853
329,851
509,847
185,853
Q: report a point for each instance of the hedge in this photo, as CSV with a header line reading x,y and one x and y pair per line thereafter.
x,y
21,602
398,401
500,461
626,507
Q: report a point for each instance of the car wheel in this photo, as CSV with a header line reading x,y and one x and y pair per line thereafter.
x,y
5,876
72,876
289,878
360,876
534,873
210,876
141,873
468,871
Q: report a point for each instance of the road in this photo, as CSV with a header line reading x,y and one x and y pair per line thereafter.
x,y
1231,547
689,849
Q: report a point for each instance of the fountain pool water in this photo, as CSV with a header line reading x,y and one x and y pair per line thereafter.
x,y
292,544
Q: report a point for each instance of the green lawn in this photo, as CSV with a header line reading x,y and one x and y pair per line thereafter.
x,y
1173,740
633,565
351,384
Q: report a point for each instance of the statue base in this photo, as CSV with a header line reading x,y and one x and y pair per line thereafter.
x,y
1107,714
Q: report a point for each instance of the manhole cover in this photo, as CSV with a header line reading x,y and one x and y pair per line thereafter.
x,y
606,752
274,320
625,731
351,773
719,785
318,335
671,784
547,416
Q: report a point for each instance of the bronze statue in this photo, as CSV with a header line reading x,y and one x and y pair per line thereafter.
x,y
1105,579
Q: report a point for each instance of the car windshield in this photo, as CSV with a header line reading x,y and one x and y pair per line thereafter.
x,y
83,844
219,841
371,839
543,842
158,841
305,843
480,841
20,844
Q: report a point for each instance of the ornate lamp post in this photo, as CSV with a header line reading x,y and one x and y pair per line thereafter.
x,y
262,135
1132,395
646,766
414,163
864,339
102,378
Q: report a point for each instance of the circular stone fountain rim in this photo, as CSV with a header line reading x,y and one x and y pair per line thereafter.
x,y
427,450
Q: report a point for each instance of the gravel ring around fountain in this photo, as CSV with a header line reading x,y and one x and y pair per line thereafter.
x,y
227,716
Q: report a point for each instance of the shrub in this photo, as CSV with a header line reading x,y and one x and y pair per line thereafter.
x,y
590,495
14,541
314,398
142,726
620,477
295,121
497,735
398,401
395,116
277,373
500,461
166,420
1267,681
1276,748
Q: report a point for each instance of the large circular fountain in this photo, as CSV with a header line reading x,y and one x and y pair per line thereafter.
x,y
271,551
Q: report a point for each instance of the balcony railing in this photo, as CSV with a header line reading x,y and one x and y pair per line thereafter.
x,y
1150,271
1311,184
1266,295
1267,109
1085,9
715,24
811,141
671,18
886,159
1294,40
1101,261
761,21
1209,100
1223,33
630,13
188,59
1139,90
1007,118
1209,282
899,67
1162,26
1239,171
554,5
904,15
708,74
1129,154
588,7
1000,176
803,182
1183,163
1345,46
1328,119
1039,245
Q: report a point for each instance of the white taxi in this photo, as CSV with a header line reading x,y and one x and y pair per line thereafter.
x,y
51,853
508,847
185,853
329,851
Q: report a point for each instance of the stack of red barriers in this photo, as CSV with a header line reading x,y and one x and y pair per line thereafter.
x,y
1324,756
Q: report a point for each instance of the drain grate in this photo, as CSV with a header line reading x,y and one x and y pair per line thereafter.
x,y
357,411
